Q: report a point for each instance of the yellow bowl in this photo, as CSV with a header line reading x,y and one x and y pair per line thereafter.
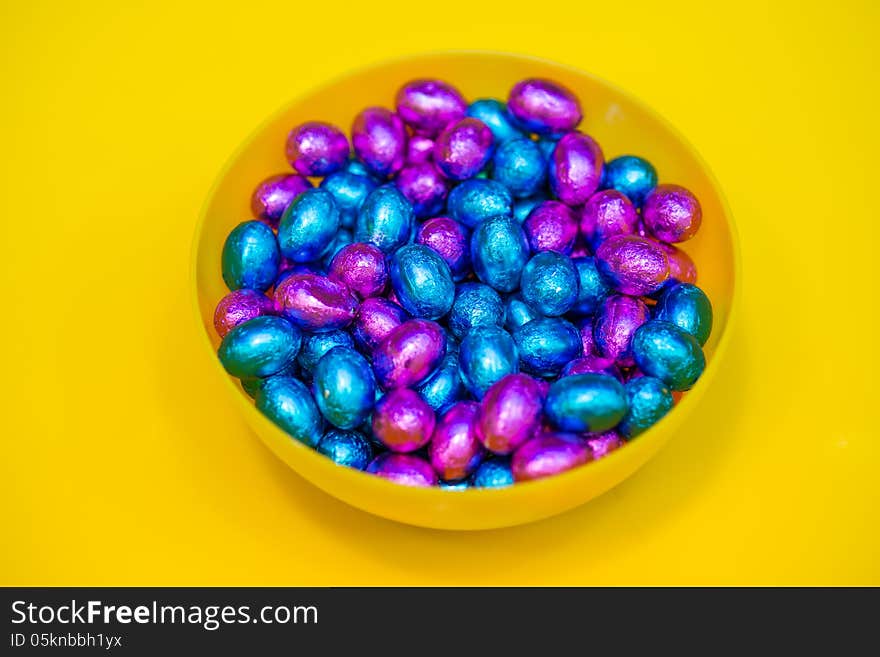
x,y
622,125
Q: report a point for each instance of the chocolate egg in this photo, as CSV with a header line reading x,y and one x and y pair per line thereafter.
x,y
630,175
250,257
385,219
475,200
486,355
348,448
463,148
272,196
604,443
422,281
344,387
494,114
510,413
349,191
428,106
403,421
551,226
518,312
238,307
361,267
315,345
544,106
379,139
672,213
575,168
409,354
443,388
586,402
585,328
308,226
259,347
688,307
549,283
315,303
454,449
662,350
419,149
546,345
403,469
605,214
289,404
317,149
499,252
649,399
519,165
549,454
592,287
632,265
493,473
424,187
615,323
375,319
681,267
450,240
475,305
592,364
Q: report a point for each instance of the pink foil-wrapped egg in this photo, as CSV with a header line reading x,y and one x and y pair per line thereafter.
x,y
454,450
592,364
419,149
672,213
681,267
379,140
239,306
633,265
409,354
315,303
317,149
404,469
375,319
272,196
361,267
428,106
614,325
605,214
585,328
424,187
403,421
463,148
575,168
544,107
604,443
549,454
551,226
450,239
510,412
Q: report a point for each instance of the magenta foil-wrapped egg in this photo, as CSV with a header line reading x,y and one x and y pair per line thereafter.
x,y
633,265
454,450
272,196
450,239
419,149
409,354
239,306
592,364
375,319
403,421
672,213
544,107
315,303
681,267
604,443
463,148
605,214
551,226
614,325
424,187
549,454
575,168
317,149
510,413
585,328
361,267
379,139
404,469
428,106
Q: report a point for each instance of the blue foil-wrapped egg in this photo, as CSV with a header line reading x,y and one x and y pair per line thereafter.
x,y
499,252
592,287
289,404
662,350
422,281
250,257
688,307
348,448
519,165
524,206
586,403
315,345
385,219
648,399
517,312
444,387
546,345
475,305
486,355
494,114
349,191
549,283
308,226
475,200
631,175
493,473
344,387
259,347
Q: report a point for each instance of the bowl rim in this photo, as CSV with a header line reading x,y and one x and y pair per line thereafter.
x,y
646,441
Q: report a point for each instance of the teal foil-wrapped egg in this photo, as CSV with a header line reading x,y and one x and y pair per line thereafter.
x,y
649,399
549,283
477,199
422,281
475,305
443,388
592,287
308,226
586,403
348,448
499,252
546,345
493,473
688,307
523,207
349,190
385,219
315,345
289,404
518,312
250,258
259,347
662,350
494,114
519,165
485,356
344,387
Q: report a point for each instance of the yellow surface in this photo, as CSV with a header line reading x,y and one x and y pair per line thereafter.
x,y
123,462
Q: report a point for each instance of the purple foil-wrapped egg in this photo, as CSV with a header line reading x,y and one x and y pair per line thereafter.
x,y
379,140
428,106
549,454
404,469
239,306
585,328
633,265
315,303
614,325
510,413
450,239
551,226
463,148
576,168
409,353
603,444
681,267
375,319
672,213
605,214
544,107
419,149
454,450
592,364
317,149
361,267
424,187
403,421
272,196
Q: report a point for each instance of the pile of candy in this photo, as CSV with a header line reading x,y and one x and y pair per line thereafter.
x,y
475,298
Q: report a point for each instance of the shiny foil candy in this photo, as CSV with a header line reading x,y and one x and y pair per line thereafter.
x,y
238,307
544,107
454,450
250,257
551,226
272,196
451,242
403,421
428,106
575,168
672,213
317,149
463,148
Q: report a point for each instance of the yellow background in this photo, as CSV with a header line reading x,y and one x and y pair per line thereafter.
x,y
122,464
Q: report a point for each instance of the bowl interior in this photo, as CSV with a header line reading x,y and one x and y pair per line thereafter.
x,y
620,124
